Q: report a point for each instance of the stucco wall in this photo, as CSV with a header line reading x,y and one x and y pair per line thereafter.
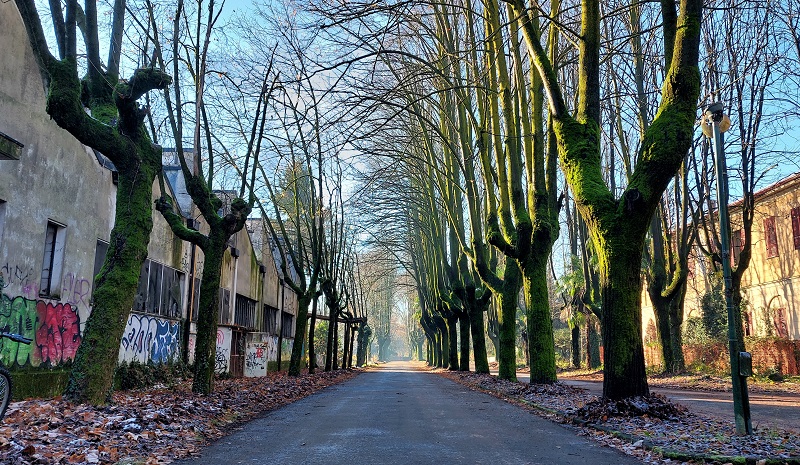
x,y
56,179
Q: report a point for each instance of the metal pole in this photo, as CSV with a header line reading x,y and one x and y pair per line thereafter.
x,y
741,405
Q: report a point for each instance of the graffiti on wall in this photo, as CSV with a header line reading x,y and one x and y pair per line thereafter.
x,y
150,339
75,290
222,357
286,349
54,327
255,360
22,276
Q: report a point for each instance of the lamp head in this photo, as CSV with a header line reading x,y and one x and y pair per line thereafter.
x,y
714,113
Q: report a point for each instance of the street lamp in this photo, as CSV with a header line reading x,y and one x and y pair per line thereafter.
x,y
714,124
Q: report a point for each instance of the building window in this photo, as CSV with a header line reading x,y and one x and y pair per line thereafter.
x,y
224,315
53,260
781,328
737,244
287,325
270,320
796,227
160,290
99,258
748,323
771,237
245,312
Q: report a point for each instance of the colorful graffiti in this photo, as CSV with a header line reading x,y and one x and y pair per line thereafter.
x,y
54,327
150,339
255,360
222,356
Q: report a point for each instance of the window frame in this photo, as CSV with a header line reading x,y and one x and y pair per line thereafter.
x,y
53,259
771,236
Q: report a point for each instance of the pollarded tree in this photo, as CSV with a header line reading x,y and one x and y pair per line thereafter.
x,y
225,214
618,224
113,125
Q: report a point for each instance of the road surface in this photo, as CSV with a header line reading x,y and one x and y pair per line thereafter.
x,y
399,415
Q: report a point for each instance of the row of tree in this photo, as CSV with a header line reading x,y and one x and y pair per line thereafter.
x,y
470,109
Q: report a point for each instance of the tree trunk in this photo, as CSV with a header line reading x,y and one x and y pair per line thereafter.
x,y
92,374
361,351
330,342
335,356
205,349
541,343
676,324
478,336
312,355
452,337
346,344
575,334
296,362
463,334
661,309
507,321
592,343
620,281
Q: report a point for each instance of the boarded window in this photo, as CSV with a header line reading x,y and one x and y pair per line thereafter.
x,y
771,237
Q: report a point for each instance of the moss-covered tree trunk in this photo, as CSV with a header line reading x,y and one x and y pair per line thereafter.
x,y
507,321
205,349
138,161
541,343
452,339
618,224
92,374
477,308
676,332
296,362
620,281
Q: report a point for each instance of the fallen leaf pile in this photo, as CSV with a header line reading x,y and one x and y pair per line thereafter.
x,y
147,426
652,429
654,405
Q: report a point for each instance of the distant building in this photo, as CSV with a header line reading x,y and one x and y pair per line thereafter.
x,y
771,283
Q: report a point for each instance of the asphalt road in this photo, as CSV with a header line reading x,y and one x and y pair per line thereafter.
x,y
766,410
398,415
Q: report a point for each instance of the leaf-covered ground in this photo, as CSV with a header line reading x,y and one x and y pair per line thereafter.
x,y
146,427
649,428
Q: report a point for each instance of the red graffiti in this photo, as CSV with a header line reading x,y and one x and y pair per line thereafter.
x,y
59,332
